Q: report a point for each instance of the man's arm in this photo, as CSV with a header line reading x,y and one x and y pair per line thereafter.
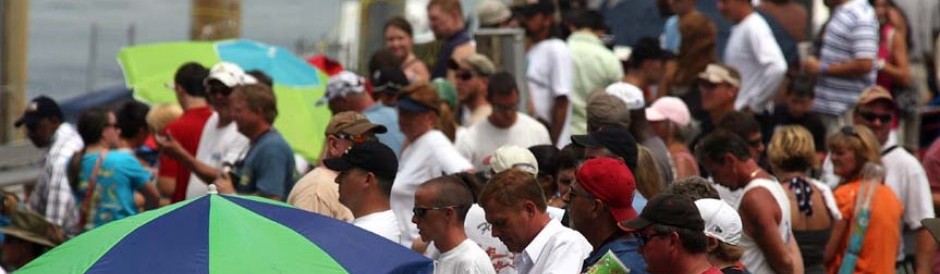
x,y
926,249
758,214
850,68
774,68
559,117
174,150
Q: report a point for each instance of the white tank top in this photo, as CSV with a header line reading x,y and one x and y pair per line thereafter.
x,y
753,258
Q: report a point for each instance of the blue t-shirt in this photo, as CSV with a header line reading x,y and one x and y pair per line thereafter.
x,y
671,36
388,117
268,168
113,198
626,251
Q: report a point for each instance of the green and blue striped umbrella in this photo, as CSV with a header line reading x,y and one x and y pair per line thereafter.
x,y
229,234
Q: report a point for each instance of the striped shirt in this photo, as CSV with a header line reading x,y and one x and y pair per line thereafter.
x,y
852,33
52,196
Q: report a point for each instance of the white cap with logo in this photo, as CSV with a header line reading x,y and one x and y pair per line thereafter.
x,y
721,220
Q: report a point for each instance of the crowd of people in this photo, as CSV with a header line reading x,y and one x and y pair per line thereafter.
x,y
669,160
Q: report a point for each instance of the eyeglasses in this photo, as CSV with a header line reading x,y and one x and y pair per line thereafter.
x,y
356,139
708,86
464,75
421,211
871,117
642,239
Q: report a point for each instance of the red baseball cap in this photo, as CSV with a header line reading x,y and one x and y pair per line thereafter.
x,y
610,180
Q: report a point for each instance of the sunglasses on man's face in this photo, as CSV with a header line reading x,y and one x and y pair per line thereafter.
x,y
871,117
421,211
464,75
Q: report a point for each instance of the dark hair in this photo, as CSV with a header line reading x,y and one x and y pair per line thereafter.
x,y
91,123
569,157
451,191
132,118
740,123
259,98
694,187
473,181
501,84
802,86
262,77
190,77
545,156
511,188
590,19
399,22
383,58
647,48
385,185
695,242
716,144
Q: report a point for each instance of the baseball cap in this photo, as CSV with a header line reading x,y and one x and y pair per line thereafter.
x,y
493,12
629,94
479,63
610,181
508,157
721,220
351,122
230,75
40,107
669,108
716,74
535,7
389,80
341,85
875,93
420,98
606,109
616,139
371,156
668,209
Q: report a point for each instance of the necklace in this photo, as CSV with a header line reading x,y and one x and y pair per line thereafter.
x,y
754,174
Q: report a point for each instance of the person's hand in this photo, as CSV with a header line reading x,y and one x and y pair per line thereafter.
x,y
223,184
811,66
168,145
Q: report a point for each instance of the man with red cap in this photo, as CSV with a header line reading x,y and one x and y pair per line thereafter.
x,y
600,199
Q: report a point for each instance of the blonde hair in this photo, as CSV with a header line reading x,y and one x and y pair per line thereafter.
x,y
859,139
163,114
727,253
648,180
792,149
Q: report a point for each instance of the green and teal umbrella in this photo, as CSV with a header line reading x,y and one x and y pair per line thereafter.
x,y
229,234
297,85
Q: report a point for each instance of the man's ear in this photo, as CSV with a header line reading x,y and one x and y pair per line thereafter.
x,y
530,208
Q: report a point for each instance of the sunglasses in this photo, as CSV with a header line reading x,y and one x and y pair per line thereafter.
x,y
850,131
464,75
709,86
421,211
504,107
871,117
642,239
356,139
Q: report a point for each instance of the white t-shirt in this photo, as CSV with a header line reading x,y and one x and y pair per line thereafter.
x,y
482,139
217,145
754,52
467,257
550,74
430,156
754,259
382,223
556,249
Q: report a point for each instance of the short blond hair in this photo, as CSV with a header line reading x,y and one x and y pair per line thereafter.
x,y
792,149
163,114
859,139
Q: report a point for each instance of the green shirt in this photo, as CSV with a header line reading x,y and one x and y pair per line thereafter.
x,y
595,67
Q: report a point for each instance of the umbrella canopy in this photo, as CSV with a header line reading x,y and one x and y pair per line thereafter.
x,y
297,85
229,234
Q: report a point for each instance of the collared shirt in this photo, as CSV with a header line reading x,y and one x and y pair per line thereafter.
x,y
754,52
594,67
852,33
318,192
52,196
556,249
625,249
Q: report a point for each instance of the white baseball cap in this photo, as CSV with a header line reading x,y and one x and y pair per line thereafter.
x,y
229,74
669,108
341,85
721,220
629,94
507,157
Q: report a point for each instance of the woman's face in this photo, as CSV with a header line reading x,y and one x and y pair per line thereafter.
x,y
398,42
845,162
881,10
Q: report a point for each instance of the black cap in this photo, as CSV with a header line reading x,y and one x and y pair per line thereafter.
x,y
389,80
539,7
370,156
616,139
40,107
668,209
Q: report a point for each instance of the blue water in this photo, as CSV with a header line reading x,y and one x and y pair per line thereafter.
x,y
60,34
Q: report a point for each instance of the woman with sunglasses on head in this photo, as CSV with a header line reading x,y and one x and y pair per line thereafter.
x,y
399,38
104,180
866,239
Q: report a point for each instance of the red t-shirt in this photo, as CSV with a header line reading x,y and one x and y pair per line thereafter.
x,y
187,130
712,270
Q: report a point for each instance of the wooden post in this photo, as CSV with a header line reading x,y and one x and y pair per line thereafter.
x,y
13,78
215,19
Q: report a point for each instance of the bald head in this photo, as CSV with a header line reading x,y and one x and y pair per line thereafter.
x,y
450,191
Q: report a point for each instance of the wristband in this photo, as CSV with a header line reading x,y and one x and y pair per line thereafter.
x,y
823,68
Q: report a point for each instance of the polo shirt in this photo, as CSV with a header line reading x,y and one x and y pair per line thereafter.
x,y
556,249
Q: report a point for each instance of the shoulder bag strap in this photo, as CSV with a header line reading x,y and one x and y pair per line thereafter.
x,y
92,182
